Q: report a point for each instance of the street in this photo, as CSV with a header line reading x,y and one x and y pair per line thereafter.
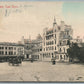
x,y
41,71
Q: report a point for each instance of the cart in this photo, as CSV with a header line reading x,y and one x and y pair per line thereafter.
x,y
14,60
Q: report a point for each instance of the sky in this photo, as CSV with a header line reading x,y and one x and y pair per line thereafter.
x,y
26,19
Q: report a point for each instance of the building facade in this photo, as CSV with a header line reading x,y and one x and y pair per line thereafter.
x,y
37,49
32,48
11,50
56,41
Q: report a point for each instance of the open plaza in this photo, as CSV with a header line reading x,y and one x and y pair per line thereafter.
x,y
41,72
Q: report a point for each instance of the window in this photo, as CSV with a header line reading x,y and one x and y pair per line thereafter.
x,y
64,50
60,56
10,53
52,42
44,43
14,48
68,42
38,57
52,54
55,41
14,53
60,43
44,49
6,53
52,47
60,50
10,48
55,47
6,48
2,52
40,49
2,47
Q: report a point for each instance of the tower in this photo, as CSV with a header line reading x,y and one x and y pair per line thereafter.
x,y
54,23
30,38
22,39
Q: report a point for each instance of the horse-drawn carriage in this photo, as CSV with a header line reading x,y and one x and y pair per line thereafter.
x,y
15,60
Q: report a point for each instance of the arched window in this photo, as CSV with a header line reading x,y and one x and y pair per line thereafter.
x,y
60,50
60,43
60,56
55,47
64,50
55,41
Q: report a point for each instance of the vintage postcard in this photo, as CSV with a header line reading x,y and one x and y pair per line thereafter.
x,y
41,41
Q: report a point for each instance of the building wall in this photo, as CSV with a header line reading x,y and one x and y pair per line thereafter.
x,y
9,50
55,39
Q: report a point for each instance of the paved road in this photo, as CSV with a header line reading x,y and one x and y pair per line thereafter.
x,y
42,71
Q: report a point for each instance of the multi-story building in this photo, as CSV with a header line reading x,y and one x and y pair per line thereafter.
x,y
32,48
10,50
37,49
56,41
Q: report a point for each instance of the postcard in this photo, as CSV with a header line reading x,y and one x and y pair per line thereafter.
x,y
41,41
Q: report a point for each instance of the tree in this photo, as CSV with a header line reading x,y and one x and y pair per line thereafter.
x,y
73,52
81,56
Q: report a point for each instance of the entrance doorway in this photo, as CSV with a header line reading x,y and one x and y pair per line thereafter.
x,y
27,56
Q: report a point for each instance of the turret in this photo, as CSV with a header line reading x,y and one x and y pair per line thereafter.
x,y
54,23
22,40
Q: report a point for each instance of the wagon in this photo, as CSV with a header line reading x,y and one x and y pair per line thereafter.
x,y
15,60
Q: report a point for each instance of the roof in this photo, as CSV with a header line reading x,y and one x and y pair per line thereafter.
x,y
37,41
37,47
10,44
28,51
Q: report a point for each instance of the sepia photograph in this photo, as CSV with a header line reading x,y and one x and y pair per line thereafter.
x,y
41,41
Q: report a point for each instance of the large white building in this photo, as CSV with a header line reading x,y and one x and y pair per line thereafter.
x,y
56,41
10,50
